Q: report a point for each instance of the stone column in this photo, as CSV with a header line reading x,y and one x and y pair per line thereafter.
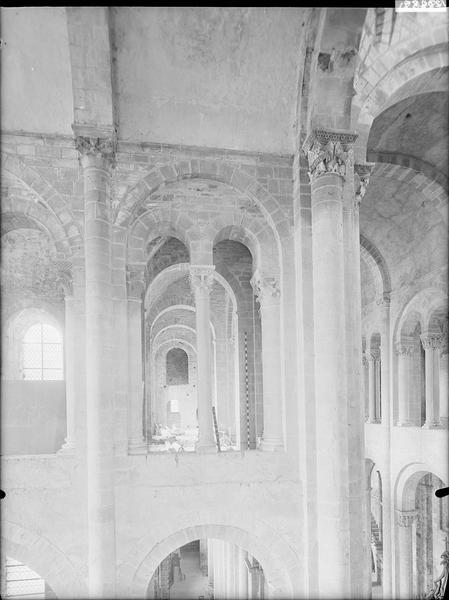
x,y
267,293
71,375
254,577
243,575
432,344
404,350
210,563
221,578
135,288
405,543
387,420
96,162
365,385
368,536
444,380
201,280
229,570
378,391
327,155
374,391
372,359
353,193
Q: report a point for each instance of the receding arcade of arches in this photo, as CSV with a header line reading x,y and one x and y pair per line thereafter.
x,y
209,568
169,326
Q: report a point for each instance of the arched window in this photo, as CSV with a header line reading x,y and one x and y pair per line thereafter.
x,y
177,367
42,353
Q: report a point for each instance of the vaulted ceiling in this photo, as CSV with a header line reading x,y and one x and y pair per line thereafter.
x,y
218,77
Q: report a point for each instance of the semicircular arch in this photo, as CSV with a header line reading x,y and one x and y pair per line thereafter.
x,y
407,480
47,195
422,304
43,557
274,554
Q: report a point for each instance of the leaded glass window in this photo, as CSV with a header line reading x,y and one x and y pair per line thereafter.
x,y
42,353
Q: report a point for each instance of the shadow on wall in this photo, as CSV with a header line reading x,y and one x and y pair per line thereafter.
x,y
33,417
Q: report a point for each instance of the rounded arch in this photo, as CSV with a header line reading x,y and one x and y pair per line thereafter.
x,y
28,215
436,319
177,366
155,223
177,337
391,167
373,257
420,308
163,279
174,342
375,340
433,80
274,554
45,558
14,330
407,480
175,272
219,171
376,96
369,466
47,197
29,304
408,47
22,319
243,235
176,327
168,309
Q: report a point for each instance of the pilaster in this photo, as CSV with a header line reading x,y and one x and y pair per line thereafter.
x,y
404,350
201,280
267,292
135,286
405,521
433,343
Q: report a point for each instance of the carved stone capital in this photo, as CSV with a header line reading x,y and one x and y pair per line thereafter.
x,y
65,283
266,289
433,341
405,348
328,152
201,278
383,299
95,146
364,359
405,518
362,173
373,354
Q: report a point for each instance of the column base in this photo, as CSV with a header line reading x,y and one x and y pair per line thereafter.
x,y
205,448
68,448
406,424
137,447
373,421
435,425
271,445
